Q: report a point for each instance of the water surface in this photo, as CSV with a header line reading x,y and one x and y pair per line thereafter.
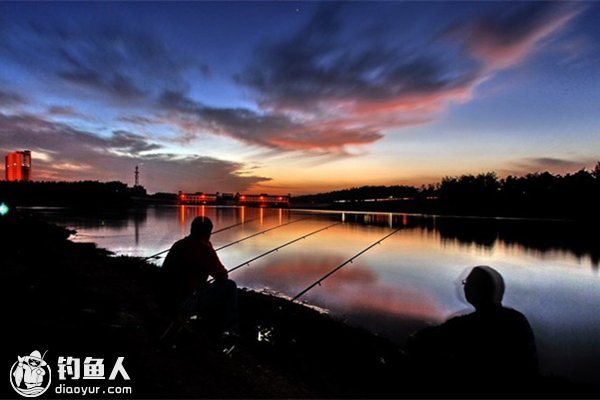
x,y
410,279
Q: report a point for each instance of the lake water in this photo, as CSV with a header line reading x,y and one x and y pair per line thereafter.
x,y
410,279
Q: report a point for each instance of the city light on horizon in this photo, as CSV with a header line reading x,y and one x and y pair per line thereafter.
x,y
267,97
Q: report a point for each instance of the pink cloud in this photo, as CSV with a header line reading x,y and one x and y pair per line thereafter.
x,y
501,43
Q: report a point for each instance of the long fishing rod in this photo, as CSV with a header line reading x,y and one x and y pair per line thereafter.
x,y
348,261
217,231
260,233
280,247
173,323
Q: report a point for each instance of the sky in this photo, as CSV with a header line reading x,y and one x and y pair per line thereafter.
x,y
298,97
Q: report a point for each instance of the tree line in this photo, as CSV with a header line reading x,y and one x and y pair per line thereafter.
x,y
572,195
83,194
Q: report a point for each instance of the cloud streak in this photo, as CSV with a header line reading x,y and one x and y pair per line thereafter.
x,y
111,58
273,130
552,164
505,39
8,99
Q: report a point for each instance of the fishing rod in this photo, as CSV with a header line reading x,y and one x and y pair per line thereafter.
x,y
245,263
217,231
260,233
348,261
173,323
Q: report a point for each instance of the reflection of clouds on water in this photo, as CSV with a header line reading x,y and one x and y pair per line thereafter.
x,y
353,288
384,299
293,275
414,275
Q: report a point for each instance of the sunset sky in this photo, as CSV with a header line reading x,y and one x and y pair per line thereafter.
x,y
298,97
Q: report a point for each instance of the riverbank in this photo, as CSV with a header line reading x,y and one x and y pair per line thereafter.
x,y
75,299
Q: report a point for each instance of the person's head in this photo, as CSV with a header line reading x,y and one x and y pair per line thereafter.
x,y
201,227
484,287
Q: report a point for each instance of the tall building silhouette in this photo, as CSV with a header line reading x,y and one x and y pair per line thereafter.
x,y
18,166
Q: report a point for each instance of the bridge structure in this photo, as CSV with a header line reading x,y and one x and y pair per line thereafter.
x,y
237,199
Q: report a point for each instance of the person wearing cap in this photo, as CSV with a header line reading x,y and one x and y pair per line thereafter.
x,y
493,344
188,265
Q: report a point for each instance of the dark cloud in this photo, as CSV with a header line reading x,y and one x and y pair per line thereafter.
x,y
121,60
551,164
130,142
197,173
62,152
138,120
11,99
317,66
68,112
344,85
274,130
115,83
554,162
62,110
325,88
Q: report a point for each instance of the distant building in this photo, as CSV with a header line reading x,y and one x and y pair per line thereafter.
x,y
254,200
197,198
264,200
18,166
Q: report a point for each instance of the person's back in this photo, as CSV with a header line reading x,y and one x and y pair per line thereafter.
x,y
497,342
188,265
494,344
186,268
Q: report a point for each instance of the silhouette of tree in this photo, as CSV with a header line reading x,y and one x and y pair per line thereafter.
x,y
86,194
573,195
596,171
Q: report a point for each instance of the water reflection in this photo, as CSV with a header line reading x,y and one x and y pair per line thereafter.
x,y
352,290
538,237
550,267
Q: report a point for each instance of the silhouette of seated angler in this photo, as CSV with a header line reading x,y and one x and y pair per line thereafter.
x,y
492,344
186,268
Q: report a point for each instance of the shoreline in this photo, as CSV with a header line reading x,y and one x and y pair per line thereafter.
x,y
89,302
